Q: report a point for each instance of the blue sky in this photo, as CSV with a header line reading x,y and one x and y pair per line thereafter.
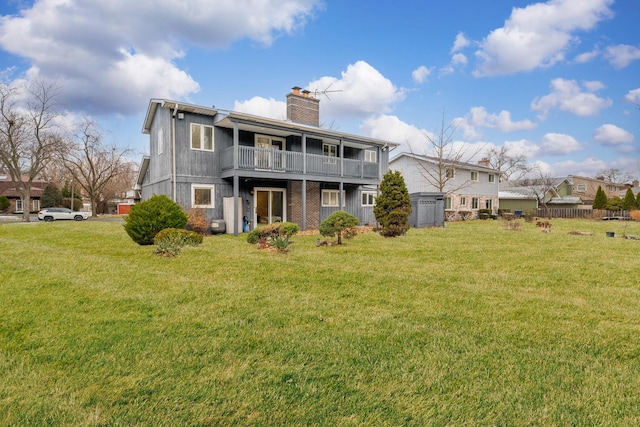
x,y
557,81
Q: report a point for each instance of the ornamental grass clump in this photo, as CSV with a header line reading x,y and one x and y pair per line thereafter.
x,y
274,235
170,241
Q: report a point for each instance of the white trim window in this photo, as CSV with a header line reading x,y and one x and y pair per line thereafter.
x,y
19,205
492,177
474,175
330,151
202,196
463,201
201,137
581,188
36,204
369,198
488,204
370,156
450,173
330,198
474,202
447,203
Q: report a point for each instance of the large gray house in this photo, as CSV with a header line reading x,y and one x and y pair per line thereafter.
x,y
275,170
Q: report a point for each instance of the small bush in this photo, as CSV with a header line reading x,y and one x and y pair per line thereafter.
x,y
170,241
397,224
4,203
197,221
277,235
148,218
338,224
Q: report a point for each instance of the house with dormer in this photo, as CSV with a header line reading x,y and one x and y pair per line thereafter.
x,y
250,170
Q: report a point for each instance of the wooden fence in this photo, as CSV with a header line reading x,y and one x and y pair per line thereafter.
x,y
581,213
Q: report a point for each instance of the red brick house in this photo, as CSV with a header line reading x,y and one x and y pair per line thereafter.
x,y
8,189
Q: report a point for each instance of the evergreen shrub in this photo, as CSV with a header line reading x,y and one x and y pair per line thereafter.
x,y
340,224
148,218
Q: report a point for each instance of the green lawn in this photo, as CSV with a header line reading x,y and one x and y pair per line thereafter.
x,y
470,324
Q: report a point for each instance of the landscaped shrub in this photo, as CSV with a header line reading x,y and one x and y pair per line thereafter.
x,y
339,224
51,196
197,221
277,235
148,218
600,199
170,241
4,203
393,206
484,213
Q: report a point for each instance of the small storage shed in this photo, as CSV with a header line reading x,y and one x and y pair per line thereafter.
x,y
427,210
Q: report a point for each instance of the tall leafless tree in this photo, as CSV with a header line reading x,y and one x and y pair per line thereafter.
x,y
92,164
615,176
29,137
443,156
510,167
543,188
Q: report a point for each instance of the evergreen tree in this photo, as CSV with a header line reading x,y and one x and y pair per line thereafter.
x,y
638,200
51,196
629,201
600,201
4,203
393,206
614,204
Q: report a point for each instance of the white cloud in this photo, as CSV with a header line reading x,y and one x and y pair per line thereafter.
x,y
612,135
585,57
522,147
421,74
567,95
538,35
264,107
558,144
587,167
633,96
101,69
460,43
363,91
621,55
459,59
480,117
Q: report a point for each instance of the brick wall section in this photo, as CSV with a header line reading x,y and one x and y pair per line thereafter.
x,y
313,203
303,109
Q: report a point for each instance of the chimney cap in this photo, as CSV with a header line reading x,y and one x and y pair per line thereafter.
x,y
296,90
306,93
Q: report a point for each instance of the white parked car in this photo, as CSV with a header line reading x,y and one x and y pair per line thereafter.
x,y
52,214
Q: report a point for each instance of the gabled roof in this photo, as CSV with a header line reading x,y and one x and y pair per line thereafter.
x,y
435,160
517,193
144,165
154,104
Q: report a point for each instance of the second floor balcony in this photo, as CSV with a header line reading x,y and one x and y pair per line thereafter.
x,y
269,160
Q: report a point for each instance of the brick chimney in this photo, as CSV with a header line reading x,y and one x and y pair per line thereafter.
x,y
302,107
484,162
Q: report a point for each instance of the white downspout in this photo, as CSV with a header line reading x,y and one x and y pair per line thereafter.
x,y
173,152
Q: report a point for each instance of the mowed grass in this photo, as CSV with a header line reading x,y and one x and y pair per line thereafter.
x,y
470,324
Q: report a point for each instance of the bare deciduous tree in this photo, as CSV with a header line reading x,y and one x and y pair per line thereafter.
x,y
543,188
93,165
510,167
444,153
29,138
615,176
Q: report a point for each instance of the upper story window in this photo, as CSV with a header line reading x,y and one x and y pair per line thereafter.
x,y
450,173
492,178
474,175
329,150
581,188
370,156
201,137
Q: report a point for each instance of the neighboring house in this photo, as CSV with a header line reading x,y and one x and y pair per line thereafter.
x,y
8,189
519,199
635,189
468,187
276,170
586,188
